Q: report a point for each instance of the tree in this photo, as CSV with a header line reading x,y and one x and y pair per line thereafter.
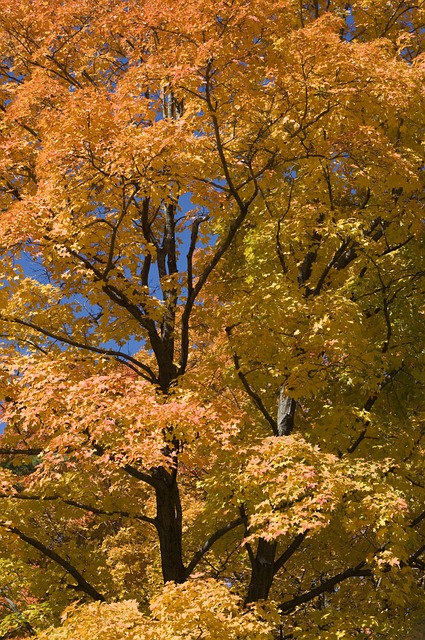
x,y
212,318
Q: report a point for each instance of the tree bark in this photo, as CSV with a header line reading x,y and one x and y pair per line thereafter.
x,y
262,571
168,523
285,413
263,564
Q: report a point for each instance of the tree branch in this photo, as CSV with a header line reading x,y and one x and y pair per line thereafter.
x,y
118,355
209,543
368,406
284,557
82,583
78,505
218,140
285,413
358,571
414,556
189,256
234,226
253,394
139,475
418,519
132,471
4,451
279,248
334,261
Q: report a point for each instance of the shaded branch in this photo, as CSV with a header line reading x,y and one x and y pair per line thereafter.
x,y
358,571
33,132
82,583
4,451
418,519
78,505
368,406
189,257
209,543
253,394
279,248
414,556
332,263
7,603
248,547
110,263
284,557
139,475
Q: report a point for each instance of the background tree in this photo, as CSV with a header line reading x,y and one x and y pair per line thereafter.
x,y
212,318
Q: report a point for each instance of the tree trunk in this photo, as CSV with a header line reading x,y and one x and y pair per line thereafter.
x,y
285,413
168,523
262,571
263,564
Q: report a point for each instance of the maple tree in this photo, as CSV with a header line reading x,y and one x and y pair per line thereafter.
x,y
211,314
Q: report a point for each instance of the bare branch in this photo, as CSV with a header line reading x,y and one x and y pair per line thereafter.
x,y
189,256
118,355
233,228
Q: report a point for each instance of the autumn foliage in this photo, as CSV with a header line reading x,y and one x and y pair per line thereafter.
x,y
211,319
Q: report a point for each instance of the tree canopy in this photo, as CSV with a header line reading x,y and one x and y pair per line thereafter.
x,y
211,318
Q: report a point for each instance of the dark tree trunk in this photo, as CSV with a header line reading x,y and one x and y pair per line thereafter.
x,y
167,373
262,571
263,564
168,523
